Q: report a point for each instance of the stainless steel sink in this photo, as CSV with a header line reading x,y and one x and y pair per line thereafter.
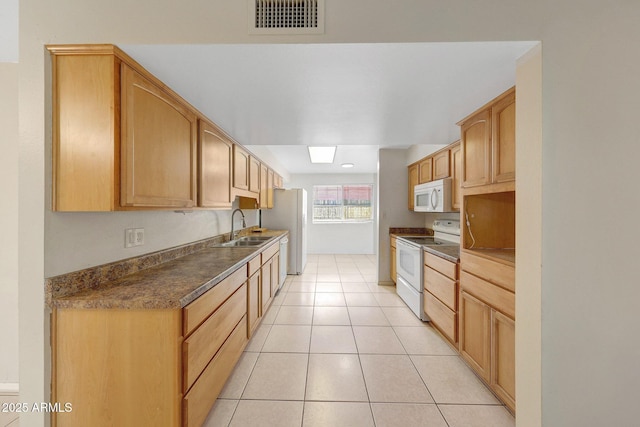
x,y
245,241
253,239
234,243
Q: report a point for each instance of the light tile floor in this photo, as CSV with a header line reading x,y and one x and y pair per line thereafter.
x,y
336,349
8,417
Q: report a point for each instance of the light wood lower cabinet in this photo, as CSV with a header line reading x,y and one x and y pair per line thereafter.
x,y
392,261
503,357
143,367
269,274
117,367
199,400
475,333
487,325
440,283
254,306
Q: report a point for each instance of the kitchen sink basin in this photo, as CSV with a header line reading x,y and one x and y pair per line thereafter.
x,y
246,241
253,239
235,243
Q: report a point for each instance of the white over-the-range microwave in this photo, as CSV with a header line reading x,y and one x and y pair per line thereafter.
x,y
434,196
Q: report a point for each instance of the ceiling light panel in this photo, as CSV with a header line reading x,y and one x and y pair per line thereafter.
x,y
322,154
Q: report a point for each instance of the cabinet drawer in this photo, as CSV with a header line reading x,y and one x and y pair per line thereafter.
x,y
495,296
254,265
268,253
441,265
442,287
196,312
500,274
441,316
198,402
205,341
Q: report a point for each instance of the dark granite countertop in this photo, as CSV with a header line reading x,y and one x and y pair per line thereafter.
x,y
450,253
172,284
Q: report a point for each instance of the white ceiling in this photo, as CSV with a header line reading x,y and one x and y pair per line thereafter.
x,y
359,97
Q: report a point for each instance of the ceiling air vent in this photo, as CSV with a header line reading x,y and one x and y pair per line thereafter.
x,y
286,16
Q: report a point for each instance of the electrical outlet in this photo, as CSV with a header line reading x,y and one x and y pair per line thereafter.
x,y
139,236
133,237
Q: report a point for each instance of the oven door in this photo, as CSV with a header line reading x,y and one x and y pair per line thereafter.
x,y
409,264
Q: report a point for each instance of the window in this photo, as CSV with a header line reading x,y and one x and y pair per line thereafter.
x,y
342,203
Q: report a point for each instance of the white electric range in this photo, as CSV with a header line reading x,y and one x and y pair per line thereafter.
x,y
409,261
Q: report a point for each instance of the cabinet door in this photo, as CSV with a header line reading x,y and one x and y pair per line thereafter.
x,y
253,303
503,357
503,139
441,165
392,261
254,175
240,168
266,285
158,148
413,181
264,193
215,168
275,273
475,333
425,168
476,150
269,189
456,172
85,171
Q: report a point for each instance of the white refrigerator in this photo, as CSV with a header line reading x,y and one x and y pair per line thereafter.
x,y
289,212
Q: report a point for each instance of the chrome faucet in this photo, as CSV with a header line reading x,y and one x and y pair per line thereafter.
x,y
244,224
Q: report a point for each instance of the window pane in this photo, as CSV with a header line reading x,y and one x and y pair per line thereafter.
x,y
342,203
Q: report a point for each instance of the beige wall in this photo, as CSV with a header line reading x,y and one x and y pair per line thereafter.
x,y
393,212
589,113
529,236
9,226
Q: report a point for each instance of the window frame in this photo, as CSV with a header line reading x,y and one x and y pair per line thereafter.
x,y
342,219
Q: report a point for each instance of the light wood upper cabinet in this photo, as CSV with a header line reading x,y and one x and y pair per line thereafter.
x,y
240,168
425,167
441,167
413,181
456,172
269,189
277,181
85,132
488,143
264,193
159,134
215,167
476,150
503,139
254,175
121,140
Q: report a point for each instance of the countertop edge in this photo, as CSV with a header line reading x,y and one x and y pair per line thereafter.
x,y
84,299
